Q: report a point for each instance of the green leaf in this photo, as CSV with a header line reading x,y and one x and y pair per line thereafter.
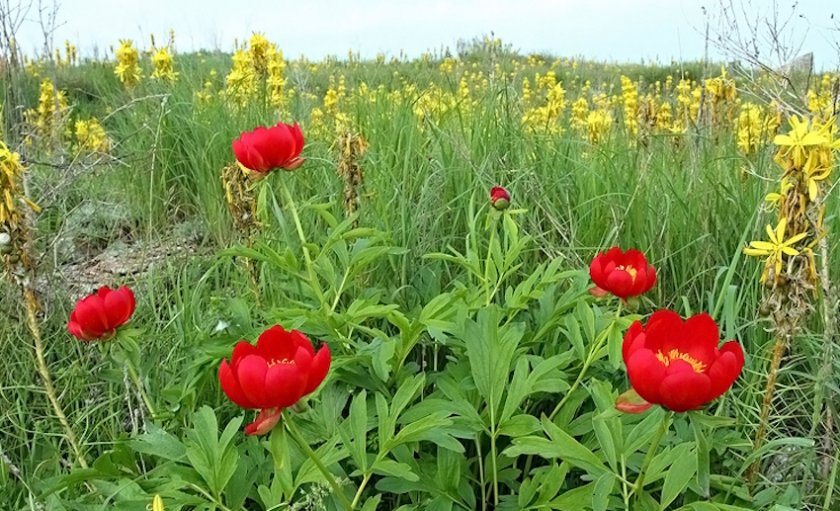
x,y
405,394
278,445
382,357
615,340
212,456
575,337
354,437
571,500
605,440
517,390
160,443
490,349
699,506
643,432
519,425
678,477
703,461
372,503
601,495
587,320
439,503
393,468
560,445
329,453
422,429
662,461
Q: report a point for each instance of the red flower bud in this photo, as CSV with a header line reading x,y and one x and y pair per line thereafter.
x,y
623,274
276,373
265,149
499,198
99,315
677,364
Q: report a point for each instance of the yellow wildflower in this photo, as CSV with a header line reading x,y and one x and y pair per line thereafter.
x,y
91,136
775,249
128,63
163,66
797,143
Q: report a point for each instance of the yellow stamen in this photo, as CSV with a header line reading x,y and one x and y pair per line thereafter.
x,y
667,358
630,271
273,362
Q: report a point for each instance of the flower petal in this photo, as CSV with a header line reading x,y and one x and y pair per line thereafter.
x,y
726,369
230,386
319,369
663,330
284,384
646,373
682,391
277,344
251,374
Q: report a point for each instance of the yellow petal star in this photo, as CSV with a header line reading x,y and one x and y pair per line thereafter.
x,y
775,249
796,144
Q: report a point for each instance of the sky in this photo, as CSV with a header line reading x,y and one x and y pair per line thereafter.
x,y
607,30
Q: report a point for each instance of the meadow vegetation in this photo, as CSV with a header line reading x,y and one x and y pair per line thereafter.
x,y
471,366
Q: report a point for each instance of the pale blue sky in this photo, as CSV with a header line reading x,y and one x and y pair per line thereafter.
x,y
615,30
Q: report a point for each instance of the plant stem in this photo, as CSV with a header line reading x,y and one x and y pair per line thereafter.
x,y
135,378
43,370
590,359
293,431
489,260
769,390
654,445
493,456
310,269
479,457
625,494
361,489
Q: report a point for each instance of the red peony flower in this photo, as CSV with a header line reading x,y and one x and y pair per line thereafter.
x,y
623,274
499,198
677,364
99,315
276,373
265,149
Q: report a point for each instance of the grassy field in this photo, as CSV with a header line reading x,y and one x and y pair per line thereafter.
x,y
470,367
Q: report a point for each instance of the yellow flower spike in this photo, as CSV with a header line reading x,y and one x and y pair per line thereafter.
x,y
776,248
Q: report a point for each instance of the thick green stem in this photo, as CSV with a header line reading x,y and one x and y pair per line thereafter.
x,y
310,269
654,445
293,431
